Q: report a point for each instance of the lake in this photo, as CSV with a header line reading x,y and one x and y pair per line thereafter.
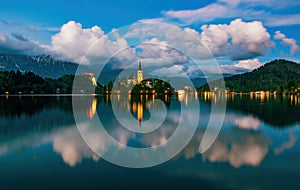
x,y
42,148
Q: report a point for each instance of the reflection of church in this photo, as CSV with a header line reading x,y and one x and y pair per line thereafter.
x,y
133,80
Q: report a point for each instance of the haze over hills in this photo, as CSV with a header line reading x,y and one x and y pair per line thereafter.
x,y
278,75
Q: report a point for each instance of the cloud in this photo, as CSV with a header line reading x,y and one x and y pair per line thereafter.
x,y
207,13
4,22
19,45
236,39
81,45
19,36
160,50
250,151
247,122
248,64
72,148
287,41
226,9
286,145
173,71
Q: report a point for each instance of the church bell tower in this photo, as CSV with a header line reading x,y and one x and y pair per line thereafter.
x,y
140,73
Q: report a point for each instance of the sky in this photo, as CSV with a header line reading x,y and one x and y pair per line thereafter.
x,y
240,34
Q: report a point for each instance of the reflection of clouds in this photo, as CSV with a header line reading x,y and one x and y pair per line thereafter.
x,y
240,147
247,122
161,135
70,145
286,145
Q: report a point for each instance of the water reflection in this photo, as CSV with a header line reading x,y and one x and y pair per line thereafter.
x,y
245,139
277,110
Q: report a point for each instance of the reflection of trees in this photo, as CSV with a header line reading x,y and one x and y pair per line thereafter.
x,y
34,112
279,111
29,105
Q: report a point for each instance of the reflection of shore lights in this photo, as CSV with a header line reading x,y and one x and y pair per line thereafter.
x,y
92,109
251,95
180,97
186,100
140,111
134,107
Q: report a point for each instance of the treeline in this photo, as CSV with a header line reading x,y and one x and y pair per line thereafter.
x,y
16,82
278,75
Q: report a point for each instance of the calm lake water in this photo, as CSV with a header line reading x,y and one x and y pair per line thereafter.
x,y
258,146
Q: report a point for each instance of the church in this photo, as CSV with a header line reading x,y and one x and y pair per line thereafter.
x,y
133,80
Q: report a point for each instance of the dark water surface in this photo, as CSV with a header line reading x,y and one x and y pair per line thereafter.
x,y
257,148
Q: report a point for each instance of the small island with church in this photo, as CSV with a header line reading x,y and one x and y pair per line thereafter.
x,y
139,85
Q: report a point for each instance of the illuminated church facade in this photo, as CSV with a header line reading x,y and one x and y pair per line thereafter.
x,y
133,80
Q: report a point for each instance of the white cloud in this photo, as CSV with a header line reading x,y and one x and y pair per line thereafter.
x,y
250,151
246,9
206,13
20,45
237,39
247,122
248,64
287,41
156,49
73,41
83,45
174,71
70,145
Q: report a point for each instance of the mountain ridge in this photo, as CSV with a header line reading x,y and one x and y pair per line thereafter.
x,y
42,65
279,75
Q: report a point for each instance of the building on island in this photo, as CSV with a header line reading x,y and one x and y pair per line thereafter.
x,y
92,78
133,80
140,73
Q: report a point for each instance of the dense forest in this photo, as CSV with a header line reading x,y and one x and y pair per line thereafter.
x,y
278,75
16,82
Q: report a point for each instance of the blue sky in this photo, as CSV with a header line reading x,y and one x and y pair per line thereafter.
x,y
28,26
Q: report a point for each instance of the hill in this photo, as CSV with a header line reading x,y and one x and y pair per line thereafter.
x,y
42,65
278,75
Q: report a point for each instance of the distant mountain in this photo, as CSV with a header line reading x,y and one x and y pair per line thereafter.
x,y
43,65
278,75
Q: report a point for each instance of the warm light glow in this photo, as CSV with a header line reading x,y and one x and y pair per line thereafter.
x,y
251,95
92,109
186,100
134,107
92,77
180,97
140,111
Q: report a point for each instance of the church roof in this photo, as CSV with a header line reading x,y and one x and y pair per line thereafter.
x,y
131,77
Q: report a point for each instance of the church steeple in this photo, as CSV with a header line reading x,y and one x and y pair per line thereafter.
x,y
140,65
140,73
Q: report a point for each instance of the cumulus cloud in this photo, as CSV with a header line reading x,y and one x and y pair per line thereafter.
x,y
250,151
81,45
287,41
18,44
69,144
237,39
247,122
248,64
